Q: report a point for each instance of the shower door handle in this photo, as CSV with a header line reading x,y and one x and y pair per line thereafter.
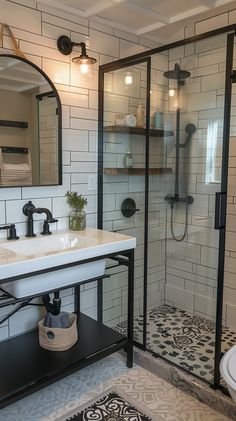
x,y
220,210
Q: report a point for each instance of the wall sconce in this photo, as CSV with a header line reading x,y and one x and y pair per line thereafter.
x,y
65,46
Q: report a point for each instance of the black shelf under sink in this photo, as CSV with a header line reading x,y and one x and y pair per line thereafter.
x,y
32,367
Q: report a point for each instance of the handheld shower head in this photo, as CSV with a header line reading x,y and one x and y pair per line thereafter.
x,y
190,130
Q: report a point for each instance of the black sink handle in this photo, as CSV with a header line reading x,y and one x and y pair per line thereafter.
x,y
12,231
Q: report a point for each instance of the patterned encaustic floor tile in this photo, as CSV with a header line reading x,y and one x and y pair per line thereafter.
x,y
164,401
186,340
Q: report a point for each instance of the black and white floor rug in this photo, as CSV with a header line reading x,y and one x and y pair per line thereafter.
x,y
112,406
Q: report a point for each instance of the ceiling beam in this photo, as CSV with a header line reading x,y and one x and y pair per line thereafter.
x,y
150,28
26,88
173,19
20,79
102,5
147,12
223,2
188,13
208,3
162,20
78,12
58,6
11,63
115,25
19,88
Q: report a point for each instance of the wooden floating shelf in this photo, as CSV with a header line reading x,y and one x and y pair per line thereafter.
x,y
138,131
17,124
14,149
137,171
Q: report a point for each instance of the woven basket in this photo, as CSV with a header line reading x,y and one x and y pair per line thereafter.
x,y
57,339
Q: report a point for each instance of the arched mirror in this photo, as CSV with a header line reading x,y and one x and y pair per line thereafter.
x,y
30,125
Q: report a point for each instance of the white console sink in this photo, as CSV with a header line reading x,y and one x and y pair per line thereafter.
x,y
54,243
29,255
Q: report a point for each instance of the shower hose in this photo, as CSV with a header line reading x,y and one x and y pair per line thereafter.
x,y
172,223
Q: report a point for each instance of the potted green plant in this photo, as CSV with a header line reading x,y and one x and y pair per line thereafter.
x,y
77,216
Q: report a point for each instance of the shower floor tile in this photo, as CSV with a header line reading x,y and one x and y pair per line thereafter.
x,y
186,340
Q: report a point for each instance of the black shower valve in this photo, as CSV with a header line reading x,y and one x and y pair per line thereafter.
x,y
128,207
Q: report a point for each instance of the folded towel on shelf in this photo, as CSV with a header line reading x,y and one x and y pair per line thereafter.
x,y
16,167
15,174
15,179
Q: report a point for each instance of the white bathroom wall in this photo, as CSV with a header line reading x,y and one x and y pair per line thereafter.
x,y
37,29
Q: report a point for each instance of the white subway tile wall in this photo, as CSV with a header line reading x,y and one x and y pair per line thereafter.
x,y
37,27
192,265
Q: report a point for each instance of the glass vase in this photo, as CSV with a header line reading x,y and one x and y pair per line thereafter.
x,y
128,160
77,220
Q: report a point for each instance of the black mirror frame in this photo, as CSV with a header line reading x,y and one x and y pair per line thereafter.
x,y
59,121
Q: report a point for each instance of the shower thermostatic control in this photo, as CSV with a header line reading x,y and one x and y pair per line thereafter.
x,y
176,198
128,207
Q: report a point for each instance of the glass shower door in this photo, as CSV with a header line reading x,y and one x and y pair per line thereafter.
x,y
189,87
123,157
228,334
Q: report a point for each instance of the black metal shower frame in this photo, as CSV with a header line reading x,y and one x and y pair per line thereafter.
x,y
221,197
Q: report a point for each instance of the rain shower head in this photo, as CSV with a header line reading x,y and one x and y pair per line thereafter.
x,y
177,73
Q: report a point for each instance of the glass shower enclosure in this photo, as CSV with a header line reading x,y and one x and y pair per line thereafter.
x,y
164,129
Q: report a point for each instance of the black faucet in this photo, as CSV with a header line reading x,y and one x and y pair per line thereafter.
x,y
29,209
12,231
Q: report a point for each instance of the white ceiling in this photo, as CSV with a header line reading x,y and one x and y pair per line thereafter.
x,y
138,17
18,76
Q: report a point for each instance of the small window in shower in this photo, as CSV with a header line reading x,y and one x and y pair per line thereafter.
x,y
212,168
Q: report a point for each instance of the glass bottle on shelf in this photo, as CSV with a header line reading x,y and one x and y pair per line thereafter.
x,y
158,120
128,160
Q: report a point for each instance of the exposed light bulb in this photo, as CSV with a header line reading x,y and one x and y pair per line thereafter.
x,y
84,68
171,92
128,79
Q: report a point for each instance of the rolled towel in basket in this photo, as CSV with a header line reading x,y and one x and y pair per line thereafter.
x,y
57,338
60,320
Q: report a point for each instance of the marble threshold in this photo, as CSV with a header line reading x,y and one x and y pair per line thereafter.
x,y
188,383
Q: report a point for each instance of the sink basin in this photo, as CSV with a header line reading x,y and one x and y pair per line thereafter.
x,y
27,256
44,245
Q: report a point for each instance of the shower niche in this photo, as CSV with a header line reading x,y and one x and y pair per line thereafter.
x,y
179,186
